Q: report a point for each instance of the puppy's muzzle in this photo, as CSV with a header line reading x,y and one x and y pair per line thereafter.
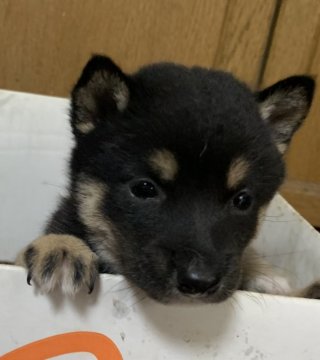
x,y
196,275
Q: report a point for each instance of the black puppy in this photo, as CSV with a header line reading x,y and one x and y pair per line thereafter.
x,y
171,170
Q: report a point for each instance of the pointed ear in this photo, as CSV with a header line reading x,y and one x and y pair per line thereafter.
x,y
101,90
285,105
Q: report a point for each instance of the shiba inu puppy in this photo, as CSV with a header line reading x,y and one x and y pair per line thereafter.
x,y
171,170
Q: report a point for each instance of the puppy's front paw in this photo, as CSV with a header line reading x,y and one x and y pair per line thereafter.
x,y
60,261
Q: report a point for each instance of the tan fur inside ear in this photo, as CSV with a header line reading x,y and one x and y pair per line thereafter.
x,y
86,99
282,148
164,163
85,127
292,103
284,111
238,171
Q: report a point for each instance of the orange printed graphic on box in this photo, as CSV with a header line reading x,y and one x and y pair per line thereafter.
x,y
96,344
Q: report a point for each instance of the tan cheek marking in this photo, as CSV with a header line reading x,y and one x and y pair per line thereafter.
x,y
90,196
164,163
237,172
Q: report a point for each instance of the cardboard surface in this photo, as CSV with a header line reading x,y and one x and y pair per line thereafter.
x,y
250,326
34,145
35,141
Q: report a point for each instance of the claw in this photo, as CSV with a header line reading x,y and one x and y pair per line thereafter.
x,y
29,277
90,287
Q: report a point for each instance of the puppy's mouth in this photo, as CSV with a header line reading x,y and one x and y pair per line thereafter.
x,y
172,294
177,297
220,294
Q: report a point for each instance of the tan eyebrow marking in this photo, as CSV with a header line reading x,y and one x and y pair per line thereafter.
x,y
238,170
164,163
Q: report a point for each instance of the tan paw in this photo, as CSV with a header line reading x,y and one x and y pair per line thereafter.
x,y
60,261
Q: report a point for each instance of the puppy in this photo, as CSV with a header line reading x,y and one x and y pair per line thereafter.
x,y
171,171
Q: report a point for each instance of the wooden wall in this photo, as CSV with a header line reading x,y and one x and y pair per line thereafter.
x,y
296,49
45,43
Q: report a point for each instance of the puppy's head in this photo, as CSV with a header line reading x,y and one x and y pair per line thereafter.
x,y
172,166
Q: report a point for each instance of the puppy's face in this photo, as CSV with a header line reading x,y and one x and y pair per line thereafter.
x,y
172,167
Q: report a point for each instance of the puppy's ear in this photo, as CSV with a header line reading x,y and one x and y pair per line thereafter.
x,y
101,91
285,105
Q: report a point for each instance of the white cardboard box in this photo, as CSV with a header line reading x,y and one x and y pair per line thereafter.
x,y
34,145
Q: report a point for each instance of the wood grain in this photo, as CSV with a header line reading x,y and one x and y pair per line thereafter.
x,y
47,42
244,37
294,39
295,50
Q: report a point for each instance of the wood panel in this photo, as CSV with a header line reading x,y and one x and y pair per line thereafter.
x,y
47,42
295,50
305,197
244,37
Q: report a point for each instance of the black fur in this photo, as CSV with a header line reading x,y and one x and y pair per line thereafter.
x,y
29,255
78,271
206,119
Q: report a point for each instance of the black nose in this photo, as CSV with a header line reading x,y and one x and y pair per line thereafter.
x,y
197,281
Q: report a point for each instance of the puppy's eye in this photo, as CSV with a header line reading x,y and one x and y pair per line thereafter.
x,y
242,201
144,189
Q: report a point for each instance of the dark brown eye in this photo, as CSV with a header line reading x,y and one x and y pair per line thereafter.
x,y
242,201
144,189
